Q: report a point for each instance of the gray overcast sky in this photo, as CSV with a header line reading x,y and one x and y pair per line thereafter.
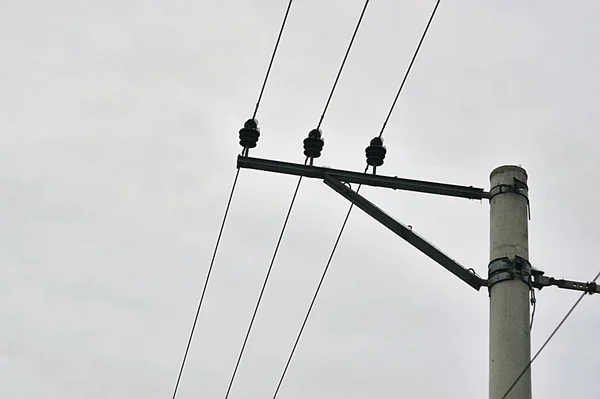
x,y
118,136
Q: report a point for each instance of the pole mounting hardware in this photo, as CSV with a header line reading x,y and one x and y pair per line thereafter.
x,y
502,269
518,187
406,233
395,183
540,281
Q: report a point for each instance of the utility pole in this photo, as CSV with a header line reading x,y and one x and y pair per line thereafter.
x,y
509,284
510,275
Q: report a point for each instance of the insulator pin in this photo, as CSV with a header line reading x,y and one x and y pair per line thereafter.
x,y
313,144
375,152
249,135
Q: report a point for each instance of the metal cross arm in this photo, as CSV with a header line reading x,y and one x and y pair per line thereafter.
x,y
395,183
540,281
405,232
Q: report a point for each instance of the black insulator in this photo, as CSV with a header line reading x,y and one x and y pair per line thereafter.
x,y
249,134
313,144
376,152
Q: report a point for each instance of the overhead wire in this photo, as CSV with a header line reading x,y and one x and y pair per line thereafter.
x,y
564,319
235,180
262,89
205,285
410,65
337,78
264,286
345,222
314,298
265,281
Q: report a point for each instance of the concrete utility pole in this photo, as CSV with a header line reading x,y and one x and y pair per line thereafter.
x,y
509,284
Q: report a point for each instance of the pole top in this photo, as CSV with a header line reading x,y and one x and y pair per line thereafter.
x,y
509,168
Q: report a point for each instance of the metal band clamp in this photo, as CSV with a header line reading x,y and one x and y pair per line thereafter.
x,y
509,269
518,187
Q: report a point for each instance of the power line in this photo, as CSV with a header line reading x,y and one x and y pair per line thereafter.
x,y
412,61
264,84
262,291
262,90
314,298
344,223
548,339
212,262
337,78
293,199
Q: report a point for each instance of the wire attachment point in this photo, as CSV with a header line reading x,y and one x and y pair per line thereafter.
x,y
375,153
313,145
249,135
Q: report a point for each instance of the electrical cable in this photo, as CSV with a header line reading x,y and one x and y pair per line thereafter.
x,y
337,78
548,340
412,61
262,90
262,291
293,201
344,223
533,304
314,298
210,268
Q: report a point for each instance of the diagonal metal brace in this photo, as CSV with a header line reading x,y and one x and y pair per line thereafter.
x,y
395,183
467,275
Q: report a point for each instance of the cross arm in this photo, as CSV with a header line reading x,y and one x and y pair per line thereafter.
x,y
395,183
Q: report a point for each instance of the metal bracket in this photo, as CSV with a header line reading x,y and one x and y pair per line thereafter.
x,y
518,187
503,269
405,232
540,281
394,182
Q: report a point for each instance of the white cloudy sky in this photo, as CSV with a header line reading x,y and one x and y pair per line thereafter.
x,y
118,141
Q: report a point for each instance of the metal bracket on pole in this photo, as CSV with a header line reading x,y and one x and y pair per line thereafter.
x,y
395,183
540,281
518,187
505,269
406,233
509,269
